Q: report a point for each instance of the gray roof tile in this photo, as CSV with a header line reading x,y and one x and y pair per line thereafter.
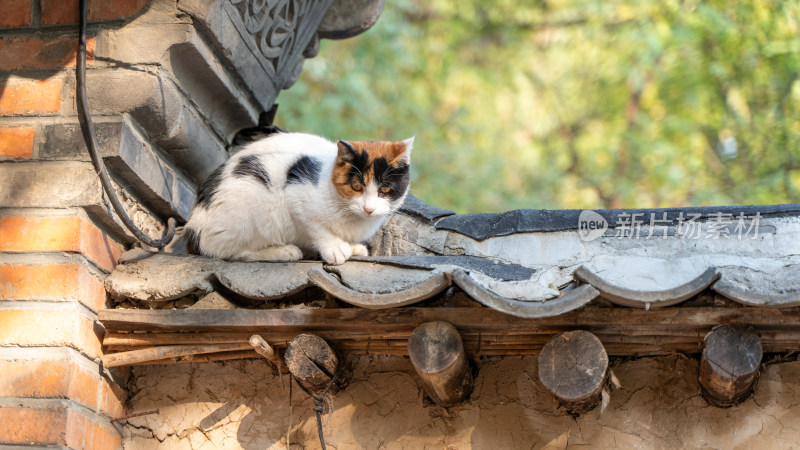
x,y
647,299
386,282
515,274
775,288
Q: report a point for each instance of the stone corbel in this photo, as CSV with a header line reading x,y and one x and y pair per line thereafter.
x,y
348,18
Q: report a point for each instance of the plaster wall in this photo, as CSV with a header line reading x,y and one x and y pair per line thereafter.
x,y
241,404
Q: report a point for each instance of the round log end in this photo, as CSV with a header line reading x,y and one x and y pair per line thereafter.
x,y
437,353
311,361
574,366
729,365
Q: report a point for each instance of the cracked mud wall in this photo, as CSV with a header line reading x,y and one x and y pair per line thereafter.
x,y
241,404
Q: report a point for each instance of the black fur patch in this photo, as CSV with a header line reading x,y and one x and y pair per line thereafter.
x,y
360,166
304,170
255,134
192,242
394,177
205,196
250,166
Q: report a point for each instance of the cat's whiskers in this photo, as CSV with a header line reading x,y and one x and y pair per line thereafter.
x,y
356,169
388,171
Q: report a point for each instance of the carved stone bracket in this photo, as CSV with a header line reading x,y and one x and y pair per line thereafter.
x,y
348,18
267,41
278,32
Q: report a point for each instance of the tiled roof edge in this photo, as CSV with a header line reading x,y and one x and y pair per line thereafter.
x,y
161,277
421,210
481,226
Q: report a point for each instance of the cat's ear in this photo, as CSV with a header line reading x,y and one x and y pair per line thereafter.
x,y
409,143
402,151
346,151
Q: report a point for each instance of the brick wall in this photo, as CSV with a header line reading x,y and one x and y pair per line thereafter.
x,y
169,83
54,251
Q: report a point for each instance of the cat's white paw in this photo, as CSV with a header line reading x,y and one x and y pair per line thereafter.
x,y
337,253
359,250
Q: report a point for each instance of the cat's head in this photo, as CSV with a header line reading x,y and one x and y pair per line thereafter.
x,y
372,177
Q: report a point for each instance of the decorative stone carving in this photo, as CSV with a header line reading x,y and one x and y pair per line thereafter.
x,y
348,18
280,30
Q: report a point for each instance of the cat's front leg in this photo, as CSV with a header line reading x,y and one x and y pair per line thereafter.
x,y
335,251
277,253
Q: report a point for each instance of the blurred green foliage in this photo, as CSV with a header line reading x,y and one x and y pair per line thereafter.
x,y
571,104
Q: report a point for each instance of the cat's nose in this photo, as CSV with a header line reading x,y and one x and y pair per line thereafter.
x,y
369,210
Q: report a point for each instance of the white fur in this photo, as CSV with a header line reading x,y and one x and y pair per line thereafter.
x,y
248,222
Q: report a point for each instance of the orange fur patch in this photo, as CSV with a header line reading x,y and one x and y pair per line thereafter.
x,y
340,177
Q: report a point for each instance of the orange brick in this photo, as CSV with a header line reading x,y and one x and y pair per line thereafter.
x,y
16,142
116,9
60,11
52,328
60,378
55,426
61,234
83,433
98,247
15,13
60,282
33,426
27,97
36,53
66,11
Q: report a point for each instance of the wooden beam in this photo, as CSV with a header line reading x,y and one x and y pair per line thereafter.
x,y
437,354
574,366
484,332
478,319
729,364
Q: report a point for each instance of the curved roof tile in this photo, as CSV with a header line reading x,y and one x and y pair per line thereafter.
x,y
161,277
373,278
778,289
647,299
264,281
328,283
387,282
570,300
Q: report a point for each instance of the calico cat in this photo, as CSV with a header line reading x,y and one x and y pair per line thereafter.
x,y
295,192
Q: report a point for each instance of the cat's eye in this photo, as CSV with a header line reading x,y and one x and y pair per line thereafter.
x,y
385,189
356,187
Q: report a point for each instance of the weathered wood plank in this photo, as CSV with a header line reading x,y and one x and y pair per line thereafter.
x,y
207,357
167,351
484,332
478,319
